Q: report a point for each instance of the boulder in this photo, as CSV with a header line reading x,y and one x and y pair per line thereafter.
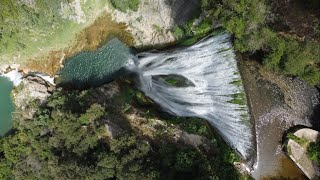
x,y
113,130
31,93
298,152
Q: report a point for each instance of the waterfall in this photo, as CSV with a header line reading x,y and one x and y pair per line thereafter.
x,y
199,81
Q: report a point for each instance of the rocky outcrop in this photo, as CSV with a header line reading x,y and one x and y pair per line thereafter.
x,y
113,130
298,152
150,25
31,93
300,99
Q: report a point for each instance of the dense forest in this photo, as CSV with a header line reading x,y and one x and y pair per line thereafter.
x,y
68,139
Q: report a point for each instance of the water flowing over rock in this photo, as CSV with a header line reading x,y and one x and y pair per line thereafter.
x,y
198,81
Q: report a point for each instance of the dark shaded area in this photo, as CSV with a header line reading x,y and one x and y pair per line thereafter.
x,y
315,120
91,82
184,10
298,17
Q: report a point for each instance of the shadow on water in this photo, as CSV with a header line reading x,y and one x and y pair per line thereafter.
x,y
92,81
94,68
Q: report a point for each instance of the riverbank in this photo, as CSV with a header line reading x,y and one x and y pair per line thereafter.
x,y
276,104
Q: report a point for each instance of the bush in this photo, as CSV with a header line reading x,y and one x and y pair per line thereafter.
x,y
301,141
125,5
178,32
186,160
313,152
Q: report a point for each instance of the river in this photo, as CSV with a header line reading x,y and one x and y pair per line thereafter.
x,y
264,99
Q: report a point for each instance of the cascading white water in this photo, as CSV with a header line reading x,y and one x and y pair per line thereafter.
x,y
198,81
210,70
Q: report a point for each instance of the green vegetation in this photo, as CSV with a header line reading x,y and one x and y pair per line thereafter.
x,y
20,22
125,5
301,141
313,149
247,21
34,28
313,152
239,98
67,139
190,33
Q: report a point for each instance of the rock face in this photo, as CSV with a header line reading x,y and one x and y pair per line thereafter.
x,y
154,19
298,152
32,92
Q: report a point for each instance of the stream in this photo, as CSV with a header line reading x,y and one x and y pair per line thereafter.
x,y
266,99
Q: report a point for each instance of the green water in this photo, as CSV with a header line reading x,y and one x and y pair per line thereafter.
x,y
6,105
97,67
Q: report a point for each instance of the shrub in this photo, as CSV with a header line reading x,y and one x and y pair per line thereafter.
x,y
313,152
125,5
178,32
185,160
301,141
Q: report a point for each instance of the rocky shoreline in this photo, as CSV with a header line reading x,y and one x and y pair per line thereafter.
x,y
30,88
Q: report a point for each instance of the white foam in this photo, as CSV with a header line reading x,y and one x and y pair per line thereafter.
x,y
14,76
211,67
47,78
